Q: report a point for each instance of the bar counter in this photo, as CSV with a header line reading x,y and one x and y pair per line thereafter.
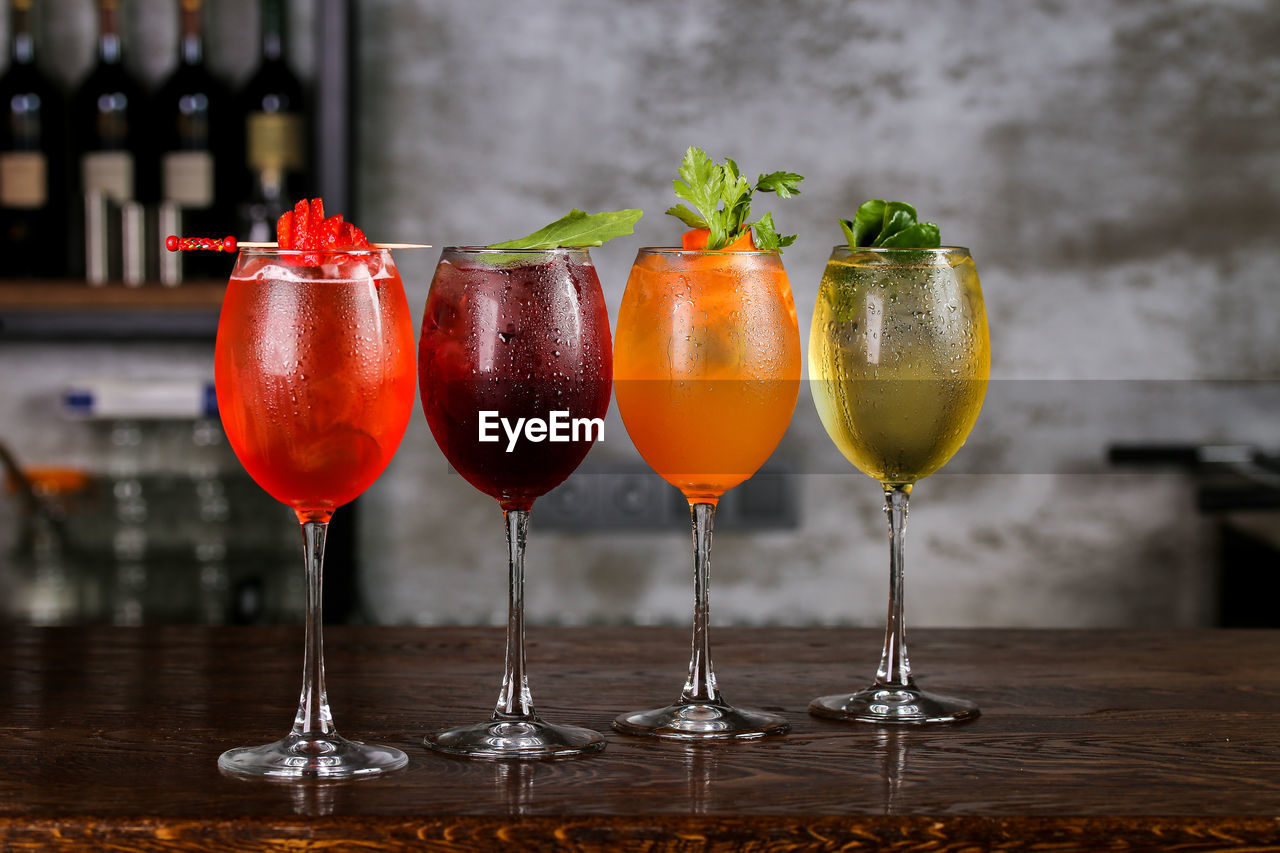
x,y
1093,740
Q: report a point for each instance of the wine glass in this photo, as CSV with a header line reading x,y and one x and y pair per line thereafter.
x,y
707,370
510,335
315,377
898,363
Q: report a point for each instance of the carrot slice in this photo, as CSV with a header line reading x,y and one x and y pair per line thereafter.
x,y
698,238
695,239
745,243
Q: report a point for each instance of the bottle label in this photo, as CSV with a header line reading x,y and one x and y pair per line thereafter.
x,y
23,179
109,173
275,141
188,178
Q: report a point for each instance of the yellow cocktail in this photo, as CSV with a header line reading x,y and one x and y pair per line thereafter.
x,y
899,357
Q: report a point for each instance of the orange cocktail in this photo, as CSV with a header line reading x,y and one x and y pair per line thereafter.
x,y
706,371
706,364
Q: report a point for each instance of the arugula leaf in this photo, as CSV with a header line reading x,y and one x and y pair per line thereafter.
x,y
889,224
578,229
721,200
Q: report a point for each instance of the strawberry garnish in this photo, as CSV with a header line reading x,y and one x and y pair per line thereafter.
x,y
284,230
306,229
354,237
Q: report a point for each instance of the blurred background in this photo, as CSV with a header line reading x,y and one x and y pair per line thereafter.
x,y
1113,166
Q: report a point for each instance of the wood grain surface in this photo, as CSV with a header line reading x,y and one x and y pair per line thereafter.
x,y
1093,740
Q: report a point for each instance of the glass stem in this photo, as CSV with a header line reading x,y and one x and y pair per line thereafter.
x,y
895,669
515,701
701,686
314,718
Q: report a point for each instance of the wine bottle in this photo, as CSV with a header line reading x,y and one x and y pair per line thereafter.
x,y
33,223
275,127
107,120
195,125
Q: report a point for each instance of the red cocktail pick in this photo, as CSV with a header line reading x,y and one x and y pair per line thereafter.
x,y
175,243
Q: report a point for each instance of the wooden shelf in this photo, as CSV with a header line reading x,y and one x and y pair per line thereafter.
x,y
64,309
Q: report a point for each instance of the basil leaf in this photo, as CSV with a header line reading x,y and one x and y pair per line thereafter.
x,y
867,221
889,224
578,229
922,235
846,225
897,216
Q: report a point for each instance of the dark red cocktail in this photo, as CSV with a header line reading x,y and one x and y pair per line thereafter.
x,y
511,340
516,366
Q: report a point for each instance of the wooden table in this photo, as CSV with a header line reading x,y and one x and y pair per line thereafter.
x,y
1095,740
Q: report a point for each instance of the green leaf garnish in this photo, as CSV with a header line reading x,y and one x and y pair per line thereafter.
x,y
889,225
721,199
578,229
766,236
922,235
687,216
782,183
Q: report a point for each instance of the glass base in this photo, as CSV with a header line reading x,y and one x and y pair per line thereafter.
x,y
312,757
500,739
701,721
895,706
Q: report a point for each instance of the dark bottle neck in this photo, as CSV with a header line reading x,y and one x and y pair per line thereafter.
x,y
191,45
22,47
273,30
110,51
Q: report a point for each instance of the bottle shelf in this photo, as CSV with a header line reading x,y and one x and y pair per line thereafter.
x,y
69,310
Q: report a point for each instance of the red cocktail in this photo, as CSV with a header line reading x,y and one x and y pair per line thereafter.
x,y
315,376
314,372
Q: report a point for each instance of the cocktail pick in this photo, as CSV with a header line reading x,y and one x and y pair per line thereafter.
x,y
175,243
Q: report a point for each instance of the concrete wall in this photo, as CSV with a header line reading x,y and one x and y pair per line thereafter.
x,y
1114,167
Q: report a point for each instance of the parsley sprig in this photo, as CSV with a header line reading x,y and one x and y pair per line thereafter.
x,y
721,199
